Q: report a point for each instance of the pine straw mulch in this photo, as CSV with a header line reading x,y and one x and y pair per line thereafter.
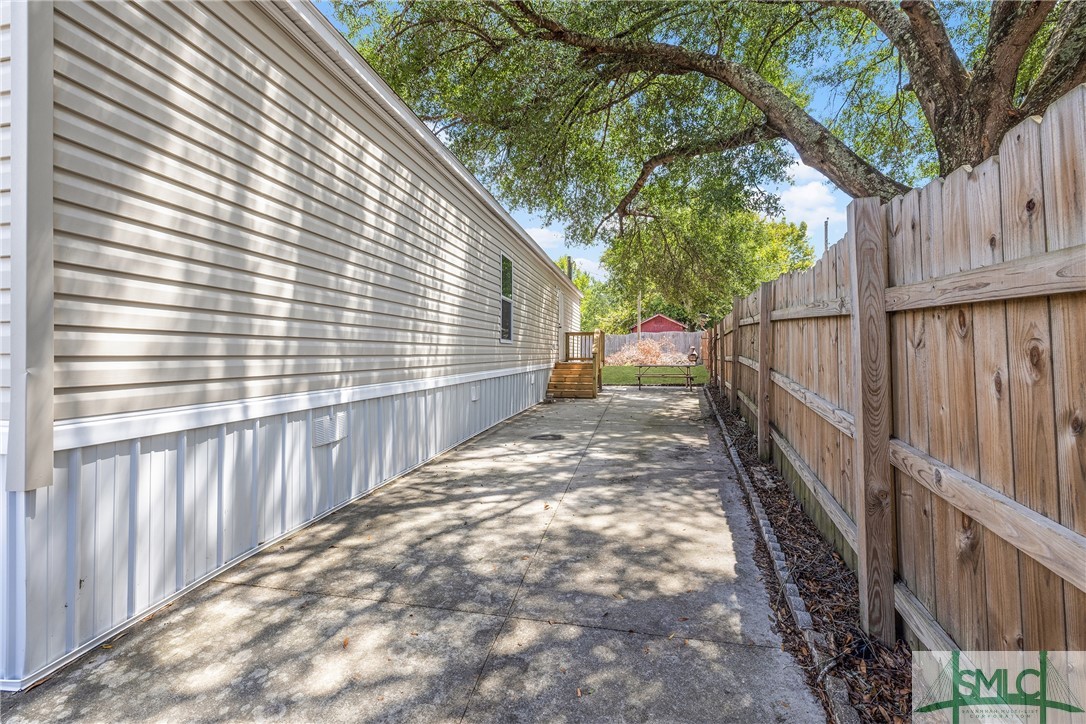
x,y
878,678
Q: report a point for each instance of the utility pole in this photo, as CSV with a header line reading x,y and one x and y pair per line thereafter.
x,y
639,316
826,236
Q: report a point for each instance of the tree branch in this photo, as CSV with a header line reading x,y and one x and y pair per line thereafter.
x,y
1064,65
1011,27
719,144
936,73
817,147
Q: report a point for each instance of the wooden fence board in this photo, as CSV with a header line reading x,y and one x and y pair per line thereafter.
x,y
1057,273
733,401
1057,547
985,285
968,590
844,375
827,370
874,512
904,240
917,374
833,509
991,389
1022,210
897,240
765,357
1063,162
918,617
943,555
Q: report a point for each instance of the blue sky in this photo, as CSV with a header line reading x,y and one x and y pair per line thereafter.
x,y
810,198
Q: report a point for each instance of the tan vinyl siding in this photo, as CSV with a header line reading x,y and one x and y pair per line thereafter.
x,y
233,221
573,307
5,210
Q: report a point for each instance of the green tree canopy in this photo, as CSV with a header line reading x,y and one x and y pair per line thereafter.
x,y
696,262
655,126
575,106
689,267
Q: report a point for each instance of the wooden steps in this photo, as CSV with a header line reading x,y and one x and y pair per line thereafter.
x,y
572,379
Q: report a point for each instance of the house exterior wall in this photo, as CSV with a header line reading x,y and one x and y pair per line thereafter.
x,y
230,226
7,555
574,313
270,299
5,218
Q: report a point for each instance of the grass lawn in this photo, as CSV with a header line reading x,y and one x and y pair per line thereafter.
x,y
627,376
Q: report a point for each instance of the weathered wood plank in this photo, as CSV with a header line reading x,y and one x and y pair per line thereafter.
x,y
1061,272
1063,159
826,346
991,389
844,374
751,407
918,618
968,593
1054,546
836,307
917,562
721,342
748,362
1063,137
765,362
1023,212
818,489
875,518
943,600
897,239
839,418
732,400
786,354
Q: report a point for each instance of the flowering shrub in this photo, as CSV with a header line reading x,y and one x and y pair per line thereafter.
x,y
648,352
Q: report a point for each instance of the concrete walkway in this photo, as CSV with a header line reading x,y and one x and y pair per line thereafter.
x,y
586,561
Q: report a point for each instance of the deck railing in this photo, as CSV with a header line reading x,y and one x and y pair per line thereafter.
x,y
587,347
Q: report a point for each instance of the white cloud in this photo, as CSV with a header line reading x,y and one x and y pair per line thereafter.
x,y
802,173
550,240
811,202
811,198
594,268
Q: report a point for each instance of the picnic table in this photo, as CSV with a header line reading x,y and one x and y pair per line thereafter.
x,y
683,371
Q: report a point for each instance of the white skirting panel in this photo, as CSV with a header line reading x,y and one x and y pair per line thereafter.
x,y
129,525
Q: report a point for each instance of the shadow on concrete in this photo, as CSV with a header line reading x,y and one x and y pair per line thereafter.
x,y
601,573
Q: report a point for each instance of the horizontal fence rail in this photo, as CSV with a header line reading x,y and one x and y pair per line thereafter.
x,y
923,389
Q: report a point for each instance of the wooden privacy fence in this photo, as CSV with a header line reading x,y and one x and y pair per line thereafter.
x,y
923,388
682,341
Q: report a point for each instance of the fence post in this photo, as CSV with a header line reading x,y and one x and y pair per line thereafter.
x,y
718,363
601,340
706,351
765,361
719,340
871,400
733,396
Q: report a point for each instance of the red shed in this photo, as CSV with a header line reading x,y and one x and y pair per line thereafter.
x,y
660,323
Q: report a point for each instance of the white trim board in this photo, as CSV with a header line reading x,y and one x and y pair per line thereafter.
x,y
104,429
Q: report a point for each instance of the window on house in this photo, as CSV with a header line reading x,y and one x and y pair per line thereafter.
x,y
507,299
